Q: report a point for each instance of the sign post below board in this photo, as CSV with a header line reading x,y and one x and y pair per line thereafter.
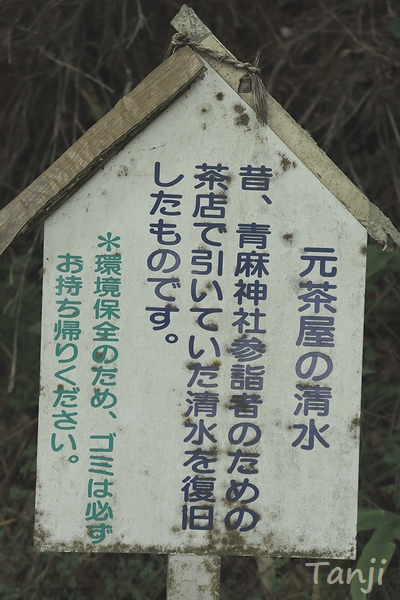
x,y
193,576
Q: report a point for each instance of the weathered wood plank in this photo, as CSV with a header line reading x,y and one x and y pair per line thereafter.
x,y
129,116
192,576
298,140
281,123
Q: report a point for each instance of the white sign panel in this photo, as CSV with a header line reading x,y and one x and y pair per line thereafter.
x,y
201,351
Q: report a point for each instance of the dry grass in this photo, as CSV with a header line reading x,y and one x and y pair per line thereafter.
x,y
335,66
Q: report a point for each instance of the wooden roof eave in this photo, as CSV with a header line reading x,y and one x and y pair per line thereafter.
x,y
379,227
129,116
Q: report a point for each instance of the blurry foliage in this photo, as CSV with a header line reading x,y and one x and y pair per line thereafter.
x,y
380,548
335,66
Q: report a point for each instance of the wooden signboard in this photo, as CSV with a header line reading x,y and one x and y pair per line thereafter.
x,y
201,346
202,329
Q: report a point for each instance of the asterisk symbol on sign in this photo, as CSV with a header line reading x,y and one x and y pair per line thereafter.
x,y
109,241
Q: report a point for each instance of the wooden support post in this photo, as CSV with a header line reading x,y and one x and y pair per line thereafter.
x,y
193,576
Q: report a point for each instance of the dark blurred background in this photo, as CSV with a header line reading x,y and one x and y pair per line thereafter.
x,y
335,67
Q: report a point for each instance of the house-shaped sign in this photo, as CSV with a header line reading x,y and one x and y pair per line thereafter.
x,y
202,327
